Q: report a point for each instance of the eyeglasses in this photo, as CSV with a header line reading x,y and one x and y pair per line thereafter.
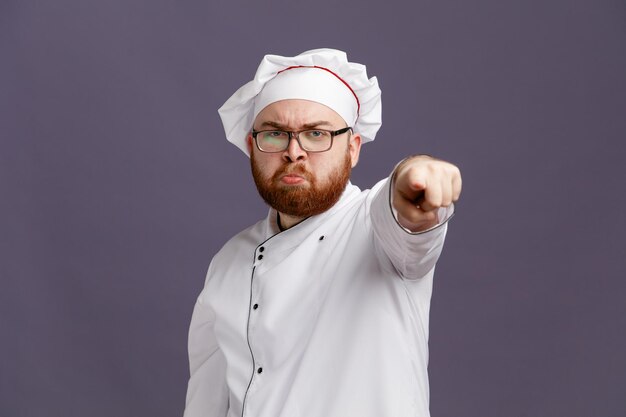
x,y
314,140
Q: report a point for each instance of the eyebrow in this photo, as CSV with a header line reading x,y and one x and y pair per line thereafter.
x,y
305,126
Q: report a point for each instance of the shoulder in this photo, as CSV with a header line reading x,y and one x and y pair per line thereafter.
x,y
364,201
240,247
241,242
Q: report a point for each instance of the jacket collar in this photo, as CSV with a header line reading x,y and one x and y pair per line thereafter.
x,y
298,232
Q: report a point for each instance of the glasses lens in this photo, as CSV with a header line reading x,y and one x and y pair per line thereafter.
x,y
273,140
315,140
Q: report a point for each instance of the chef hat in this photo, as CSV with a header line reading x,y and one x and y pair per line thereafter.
x,y
321,75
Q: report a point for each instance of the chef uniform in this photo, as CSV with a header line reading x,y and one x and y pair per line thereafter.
x,y
328,318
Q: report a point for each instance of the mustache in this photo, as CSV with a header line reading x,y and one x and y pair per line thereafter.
x,y
290,169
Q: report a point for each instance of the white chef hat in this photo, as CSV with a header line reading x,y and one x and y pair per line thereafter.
x,y
321,75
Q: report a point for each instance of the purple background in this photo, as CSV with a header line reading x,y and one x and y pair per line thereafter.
x,y
117,187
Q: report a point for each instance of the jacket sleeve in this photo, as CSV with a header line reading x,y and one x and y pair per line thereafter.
x,y
207,392
412,254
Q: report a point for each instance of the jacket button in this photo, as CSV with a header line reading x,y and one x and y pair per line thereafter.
x,y
255,306
261,249
322,237
260,257
259,370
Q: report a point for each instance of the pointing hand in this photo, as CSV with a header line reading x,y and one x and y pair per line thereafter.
x,y
422,185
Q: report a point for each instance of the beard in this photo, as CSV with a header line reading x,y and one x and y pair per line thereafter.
x,y
301,200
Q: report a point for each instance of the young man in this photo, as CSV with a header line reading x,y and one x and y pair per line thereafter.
x,y
321,309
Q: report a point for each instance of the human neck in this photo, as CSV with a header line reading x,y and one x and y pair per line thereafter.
x,y
286,221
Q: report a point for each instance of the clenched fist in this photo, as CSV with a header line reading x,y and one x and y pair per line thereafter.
x,y
422,185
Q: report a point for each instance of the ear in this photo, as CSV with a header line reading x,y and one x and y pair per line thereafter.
x,y
249,143
354,146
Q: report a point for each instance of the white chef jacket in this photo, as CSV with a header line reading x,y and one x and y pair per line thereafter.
x,y
328,318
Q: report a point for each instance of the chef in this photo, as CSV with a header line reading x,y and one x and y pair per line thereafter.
x,y
320,309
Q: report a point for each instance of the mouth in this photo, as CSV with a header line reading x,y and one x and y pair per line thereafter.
x,y
292,179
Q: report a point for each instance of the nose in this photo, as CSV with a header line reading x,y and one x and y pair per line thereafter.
x,y
294,152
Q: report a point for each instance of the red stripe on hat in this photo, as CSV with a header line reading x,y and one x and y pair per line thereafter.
x,y
358,103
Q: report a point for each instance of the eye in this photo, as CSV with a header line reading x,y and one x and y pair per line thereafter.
x,y
273,135
316,134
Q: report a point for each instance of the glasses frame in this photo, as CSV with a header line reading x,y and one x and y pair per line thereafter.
x,y
296,135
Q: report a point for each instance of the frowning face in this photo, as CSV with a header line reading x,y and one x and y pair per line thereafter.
x,y
296,182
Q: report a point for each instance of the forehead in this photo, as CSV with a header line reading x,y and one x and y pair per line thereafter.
x,y
296,112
